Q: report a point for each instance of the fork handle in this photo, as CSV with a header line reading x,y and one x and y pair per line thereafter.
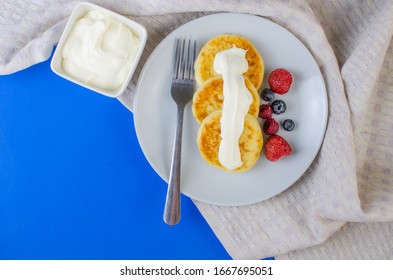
x,y
172,203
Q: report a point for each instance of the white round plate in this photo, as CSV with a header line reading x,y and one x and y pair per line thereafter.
x,y
155,113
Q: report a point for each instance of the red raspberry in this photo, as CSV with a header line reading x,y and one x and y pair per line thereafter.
x,y
265,111
277,147
280,80
270,126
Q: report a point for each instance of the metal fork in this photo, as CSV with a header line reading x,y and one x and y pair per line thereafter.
x,y
182,90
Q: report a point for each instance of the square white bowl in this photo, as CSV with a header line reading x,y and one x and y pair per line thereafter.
x,y
79,11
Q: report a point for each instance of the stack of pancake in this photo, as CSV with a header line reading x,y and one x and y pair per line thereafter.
x,y
208,101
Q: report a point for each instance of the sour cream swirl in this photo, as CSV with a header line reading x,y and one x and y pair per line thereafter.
x,y
99,51
231,64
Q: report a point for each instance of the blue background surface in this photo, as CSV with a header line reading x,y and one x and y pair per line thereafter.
x,y
74,183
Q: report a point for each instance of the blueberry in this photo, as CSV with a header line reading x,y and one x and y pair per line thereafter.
x,y
288,125
267,94
278,107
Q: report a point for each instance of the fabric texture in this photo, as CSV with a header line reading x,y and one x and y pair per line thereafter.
x,y
347,193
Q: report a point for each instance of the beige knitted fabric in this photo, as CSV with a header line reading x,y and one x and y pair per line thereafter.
x,y
350,179
355,241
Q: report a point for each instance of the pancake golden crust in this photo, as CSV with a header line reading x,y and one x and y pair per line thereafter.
x,y
205,60
209,98
250,141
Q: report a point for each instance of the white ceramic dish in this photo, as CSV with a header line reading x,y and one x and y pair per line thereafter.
x,y
80,10
155,113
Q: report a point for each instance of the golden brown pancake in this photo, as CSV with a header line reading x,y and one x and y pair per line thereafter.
x,y
250,141
209,98
204,62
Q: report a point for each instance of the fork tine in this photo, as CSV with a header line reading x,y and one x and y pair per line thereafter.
x,y
184,59
192,77
188,62
175,59
180,72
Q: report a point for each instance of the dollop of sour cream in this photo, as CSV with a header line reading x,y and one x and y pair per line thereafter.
x,y
231,64
99,51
